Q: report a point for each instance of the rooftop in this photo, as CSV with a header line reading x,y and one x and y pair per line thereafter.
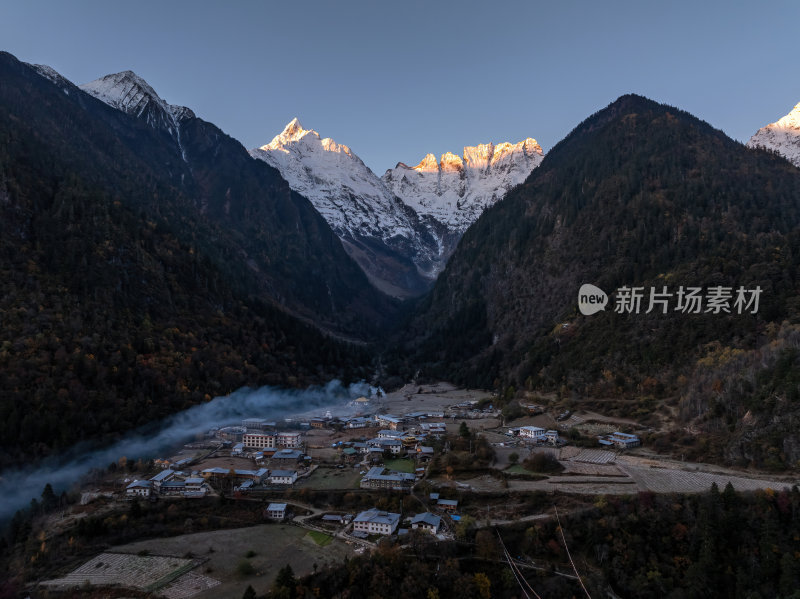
x,y
163,475
285,454
378,517
427,518
140,484
283,473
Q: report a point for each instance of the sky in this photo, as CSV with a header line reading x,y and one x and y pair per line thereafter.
x,y
397,80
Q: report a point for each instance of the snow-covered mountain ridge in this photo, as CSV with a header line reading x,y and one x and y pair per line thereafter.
x,y
782,136
457,189
341,187
129,93
414,215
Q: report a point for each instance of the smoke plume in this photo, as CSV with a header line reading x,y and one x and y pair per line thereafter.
x,y
19,486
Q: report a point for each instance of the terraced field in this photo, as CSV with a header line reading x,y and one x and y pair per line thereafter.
x,y
154,573
595,456
666,480
270,546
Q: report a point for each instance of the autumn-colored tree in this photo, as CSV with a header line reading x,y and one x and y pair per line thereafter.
x,y
483,584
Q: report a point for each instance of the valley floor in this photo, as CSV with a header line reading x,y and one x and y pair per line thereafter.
x,y
221,563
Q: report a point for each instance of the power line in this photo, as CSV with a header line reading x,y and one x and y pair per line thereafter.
x,y
574,569
515,571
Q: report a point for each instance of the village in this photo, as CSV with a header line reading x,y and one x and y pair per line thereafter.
x,y
278,458
404,445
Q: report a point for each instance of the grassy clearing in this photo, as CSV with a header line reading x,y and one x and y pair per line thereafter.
x,y
517,469
401,465
320,538
332,478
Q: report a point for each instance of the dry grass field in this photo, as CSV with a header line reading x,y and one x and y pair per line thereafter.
x,y
331,478
273,546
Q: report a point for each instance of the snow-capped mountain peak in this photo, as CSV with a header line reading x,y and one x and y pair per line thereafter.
x,y
792,119
129,93
293,132
411,214
451,162
295,138
354,201
390,242
428,164
782,136
125,91
456,189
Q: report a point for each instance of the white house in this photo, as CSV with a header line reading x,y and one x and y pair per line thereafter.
x,y
376,522
276,511
283,477
289,439
139,488
427,521
259,440
361,447
532,432
393,446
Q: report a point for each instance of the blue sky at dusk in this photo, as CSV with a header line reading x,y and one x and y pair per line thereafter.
x,y
395,80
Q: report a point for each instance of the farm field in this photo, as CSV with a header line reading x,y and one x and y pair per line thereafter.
x,y
666,480
331,478
602,478
320,538
402,465
170,576
434,397
273,545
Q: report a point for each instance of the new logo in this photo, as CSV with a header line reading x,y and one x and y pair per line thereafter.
x,y
591,299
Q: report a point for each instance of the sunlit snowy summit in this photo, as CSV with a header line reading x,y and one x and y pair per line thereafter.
x,y
782,136
418,213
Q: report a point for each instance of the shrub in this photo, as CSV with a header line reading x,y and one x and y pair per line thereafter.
x,y
245,568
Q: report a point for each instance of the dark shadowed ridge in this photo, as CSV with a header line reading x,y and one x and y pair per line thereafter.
x,y
139,277
640,193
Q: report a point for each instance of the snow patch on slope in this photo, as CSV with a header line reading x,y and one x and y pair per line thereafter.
x,y
52,75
